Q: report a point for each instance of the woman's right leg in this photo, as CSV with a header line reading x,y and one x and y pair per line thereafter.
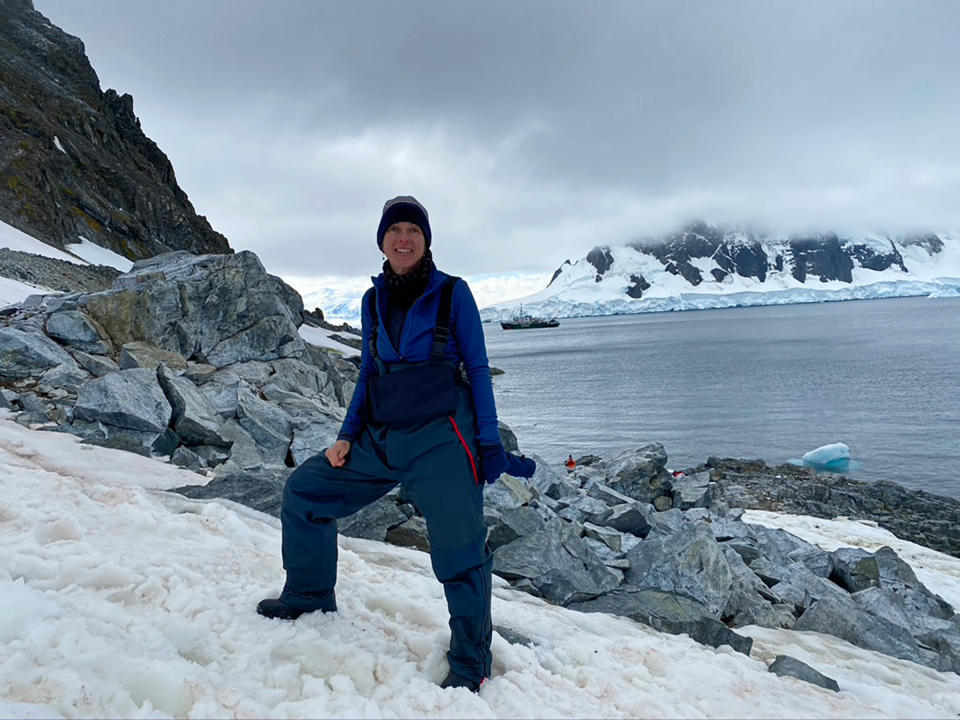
x,y
315,495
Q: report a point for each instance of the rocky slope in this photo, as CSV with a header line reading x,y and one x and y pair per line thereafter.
x,y
193,357
704,266
74,161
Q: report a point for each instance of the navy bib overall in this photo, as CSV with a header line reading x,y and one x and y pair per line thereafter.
x,y
435,461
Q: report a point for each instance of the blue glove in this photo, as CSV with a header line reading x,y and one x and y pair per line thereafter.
x,y
494,462
520,466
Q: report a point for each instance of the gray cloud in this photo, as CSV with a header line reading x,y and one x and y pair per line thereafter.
x,y
533,130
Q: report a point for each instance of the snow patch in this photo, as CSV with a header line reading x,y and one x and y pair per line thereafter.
x,y
96,255
321,338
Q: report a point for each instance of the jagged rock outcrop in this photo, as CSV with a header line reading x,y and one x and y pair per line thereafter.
x,y
74,161
194,357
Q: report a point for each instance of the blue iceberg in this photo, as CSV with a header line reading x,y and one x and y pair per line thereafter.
x,y
834,457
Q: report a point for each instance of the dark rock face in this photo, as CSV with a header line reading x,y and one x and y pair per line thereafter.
x,y
820,256
73,159
601,259
637,285
699,240
869,258
557,272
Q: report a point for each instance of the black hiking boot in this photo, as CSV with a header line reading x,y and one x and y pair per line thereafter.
x,y
459,681
276,609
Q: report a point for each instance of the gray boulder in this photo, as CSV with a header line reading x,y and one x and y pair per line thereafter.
x,y
557,563
261,490
633,518
667,612
549,482
313,436
610,537
692,491
786,666
513,524
583,508
212,308
783,547
610,558
840,616
508,438
269,426
141,442
148,356
27,354
244,453
67,376
750,601
639,473
608,495
507,493
188,459
199,373
75,329
374,521
195,420
801,588
412,533
96,365
688,562
129,399
855,569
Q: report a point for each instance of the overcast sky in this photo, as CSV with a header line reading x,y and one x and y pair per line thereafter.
x,y
533,131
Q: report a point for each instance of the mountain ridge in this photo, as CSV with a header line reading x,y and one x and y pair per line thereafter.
x,y
74,161
707,266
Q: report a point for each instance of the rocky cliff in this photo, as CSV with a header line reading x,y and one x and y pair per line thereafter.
x,y
74,161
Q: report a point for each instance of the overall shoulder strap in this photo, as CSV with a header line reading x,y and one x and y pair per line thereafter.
x,y
374,322
441,330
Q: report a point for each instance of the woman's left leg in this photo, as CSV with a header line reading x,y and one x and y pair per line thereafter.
x,y
440,473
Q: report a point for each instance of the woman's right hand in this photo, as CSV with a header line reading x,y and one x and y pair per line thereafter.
x,y
337,453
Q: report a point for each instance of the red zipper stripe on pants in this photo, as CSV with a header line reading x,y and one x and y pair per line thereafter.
x,y
473,465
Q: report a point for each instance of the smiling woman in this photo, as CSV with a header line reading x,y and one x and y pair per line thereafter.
x,y
413,419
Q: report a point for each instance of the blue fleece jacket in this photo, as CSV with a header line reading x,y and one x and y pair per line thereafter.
x,y
465,344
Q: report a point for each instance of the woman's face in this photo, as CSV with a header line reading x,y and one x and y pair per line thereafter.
x,y
404,246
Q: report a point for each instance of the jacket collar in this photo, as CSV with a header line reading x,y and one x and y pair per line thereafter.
x,y
433,283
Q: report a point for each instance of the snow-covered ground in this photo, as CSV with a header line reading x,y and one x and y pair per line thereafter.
x,y
121,600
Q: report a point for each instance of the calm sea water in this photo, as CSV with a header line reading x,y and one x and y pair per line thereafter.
x,y
882,376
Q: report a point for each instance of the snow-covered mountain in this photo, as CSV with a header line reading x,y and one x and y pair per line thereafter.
x,y
706,266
